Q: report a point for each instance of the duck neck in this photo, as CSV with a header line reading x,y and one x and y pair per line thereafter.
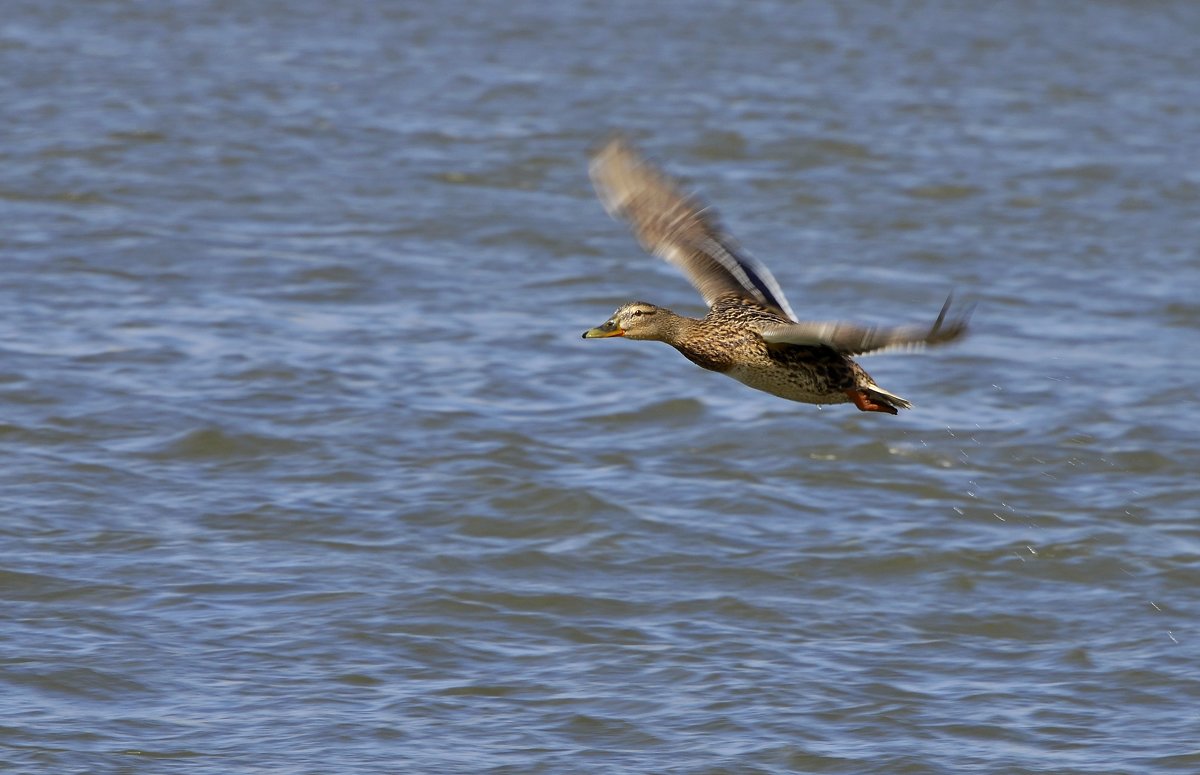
x,y
695,341
675,329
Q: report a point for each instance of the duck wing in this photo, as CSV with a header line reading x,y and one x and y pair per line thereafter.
x,y
680,229
857,339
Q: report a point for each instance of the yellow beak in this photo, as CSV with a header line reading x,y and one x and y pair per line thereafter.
x,y
605,331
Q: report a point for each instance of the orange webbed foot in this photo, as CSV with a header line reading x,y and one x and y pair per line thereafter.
x,y
866,404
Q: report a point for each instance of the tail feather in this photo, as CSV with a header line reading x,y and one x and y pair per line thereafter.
x,y
881,395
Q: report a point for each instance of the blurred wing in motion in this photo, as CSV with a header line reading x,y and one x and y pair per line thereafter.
x,y
855,339
678,228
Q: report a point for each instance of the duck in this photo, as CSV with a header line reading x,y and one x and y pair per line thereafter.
x,y
750,332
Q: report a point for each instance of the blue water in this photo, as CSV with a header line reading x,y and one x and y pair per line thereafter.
x,y
307,470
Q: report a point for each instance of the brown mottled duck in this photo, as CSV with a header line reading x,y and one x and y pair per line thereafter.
x,y
750,332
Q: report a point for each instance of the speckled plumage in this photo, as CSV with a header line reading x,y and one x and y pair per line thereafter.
x,y
726,342
750,332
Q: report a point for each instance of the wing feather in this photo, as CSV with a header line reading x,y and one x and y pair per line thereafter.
x,y
679,229
856,339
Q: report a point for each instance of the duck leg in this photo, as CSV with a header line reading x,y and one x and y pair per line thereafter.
x,y
865,404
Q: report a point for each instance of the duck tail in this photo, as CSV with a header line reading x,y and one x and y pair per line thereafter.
x,y
891,400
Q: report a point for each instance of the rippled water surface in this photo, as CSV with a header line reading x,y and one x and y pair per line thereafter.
x,y
306,468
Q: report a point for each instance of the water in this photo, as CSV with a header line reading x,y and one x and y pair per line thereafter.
x,y
306,468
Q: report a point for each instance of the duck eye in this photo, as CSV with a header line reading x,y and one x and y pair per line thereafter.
x,y
637,313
